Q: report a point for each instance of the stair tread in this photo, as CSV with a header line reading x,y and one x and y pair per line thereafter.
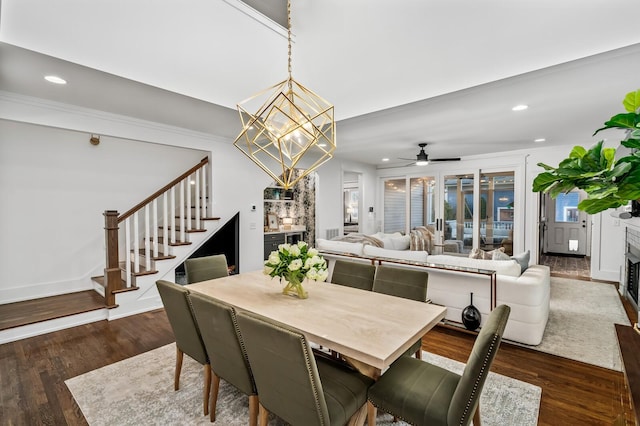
x,y
178,229
177,243
160,256
18,314
143,269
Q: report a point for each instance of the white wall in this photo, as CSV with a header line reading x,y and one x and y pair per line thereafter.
x,y
329,198
55,185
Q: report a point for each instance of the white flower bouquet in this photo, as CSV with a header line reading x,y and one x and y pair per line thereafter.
x,y
294,263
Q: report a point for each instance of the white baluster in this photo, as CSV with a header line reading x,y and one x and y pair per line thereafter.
x,y
147,237
182,239
127,250
172,210
154,223
204,187
165,223
136,244
188,189
197,196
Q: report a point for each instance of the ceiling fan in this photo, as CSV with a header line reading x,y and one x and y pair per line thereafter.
x,y
422,158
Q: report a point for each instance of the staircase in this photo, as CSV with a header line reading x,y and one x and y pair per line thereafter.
x,y
142,245
149,241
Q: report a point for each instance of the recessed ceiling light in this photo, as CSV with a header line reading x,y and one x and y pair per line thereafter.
x,y
520,107
385,159
55,79
539,140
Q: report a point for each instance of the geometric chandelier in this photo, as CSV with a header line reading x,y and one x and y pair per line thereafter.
x,y
292,128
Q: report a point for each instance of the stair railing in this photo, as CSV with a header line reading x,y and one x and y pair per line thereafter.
x,y
169,208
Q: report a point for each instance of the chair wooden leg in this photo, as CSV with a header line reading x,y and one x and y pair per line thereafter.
x,y
476,416
419,354
359,417
213,401
263,416
372,412
253,410
176,380
207,388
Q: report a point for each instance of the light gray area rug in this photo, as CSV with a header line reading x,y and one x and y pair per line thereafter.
x,y
139,391
581,322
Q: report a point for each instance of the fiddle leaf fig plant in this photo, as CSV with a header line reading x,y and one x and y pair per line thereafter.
x,y
607,182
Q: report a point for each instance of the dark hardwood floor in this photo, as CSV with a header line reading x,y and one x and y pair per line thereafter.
x,y
33,371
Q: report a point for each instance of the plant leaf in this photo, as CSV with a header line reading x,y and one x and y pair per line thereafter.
x,y
593,206
578,152
546,167
543,181
620,121
631,102
631,143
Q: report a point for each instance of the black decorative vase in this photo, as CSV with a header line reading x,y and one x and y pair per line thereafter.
x,y
471,316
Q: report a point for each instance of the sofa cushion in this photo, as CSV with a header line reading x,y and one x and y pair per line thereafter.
x,y
417,256
523,260
339,246
502,267
400,243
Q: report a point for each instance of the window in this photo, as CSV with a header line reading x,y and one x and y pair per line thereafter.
x,y
567,207
395,205
496,210
422,203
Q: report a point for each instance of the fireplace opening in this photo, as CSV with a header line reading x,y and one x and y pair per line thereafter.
x,y
225,241
632,257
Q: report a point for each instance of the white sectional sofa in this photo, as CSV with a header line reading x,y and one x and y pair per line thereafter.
x,y
527,293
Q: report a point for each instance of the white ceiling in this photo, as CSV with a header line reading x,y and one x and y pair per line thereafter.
x,y
399,72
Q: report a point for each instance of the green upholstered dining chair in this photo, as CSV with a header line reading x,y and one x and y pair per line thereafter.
x,y
206,268
403,282
424,394
185,329
225,347
353,274
293,384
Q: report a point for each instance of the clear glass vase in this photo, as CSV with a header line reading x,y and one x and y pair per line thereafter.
x,y
294,287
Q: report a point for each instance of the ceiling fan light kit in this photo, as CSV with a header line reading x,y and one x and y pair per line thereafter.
x,y
422,158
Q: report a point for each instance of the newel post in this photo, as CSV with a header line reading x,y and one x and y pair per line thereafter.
x,y
112,278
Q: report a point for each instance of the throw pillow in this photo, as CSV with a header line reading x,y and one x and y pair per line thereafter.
x,y
486,255
417,242
500,255
523,260
476,253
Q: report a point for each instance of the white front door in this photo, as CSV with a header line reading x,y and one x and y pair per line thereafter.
x,y
566,231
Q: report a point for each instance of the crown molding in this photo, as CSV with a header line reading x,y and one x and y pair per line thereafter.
x,y
259,17
29,109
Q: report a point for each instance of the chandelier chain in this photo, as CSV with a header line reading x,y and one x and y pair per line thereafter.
x,y
289,39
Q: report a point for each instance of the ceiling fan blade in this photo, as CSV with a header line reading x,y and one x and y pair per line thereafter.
x,y
444,159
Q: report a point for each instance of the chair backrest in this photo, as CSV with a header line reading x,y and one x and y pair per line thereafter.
x,y
353,274
285,371
401,282
206,268
222,339
185,328
467,394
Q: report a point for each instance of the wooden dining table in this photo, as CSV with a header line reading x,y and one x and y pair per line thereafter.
x,y
370,330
